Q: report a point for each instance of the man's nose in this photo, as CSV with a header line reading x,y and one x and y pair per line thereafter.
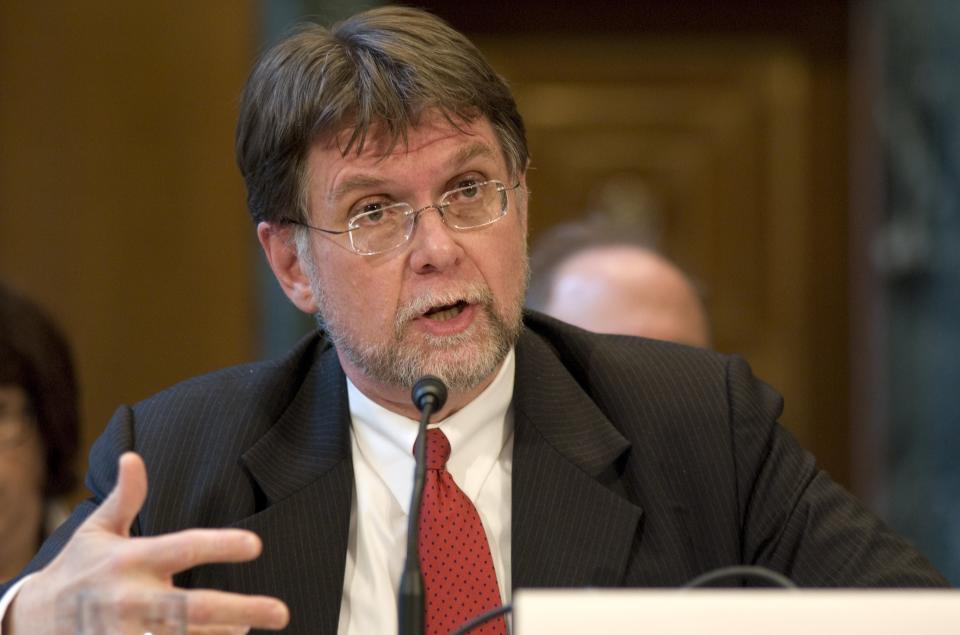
x,y
434,247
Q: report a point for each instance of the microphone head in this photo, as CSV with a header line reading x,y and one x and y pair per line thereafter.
x,y
429,390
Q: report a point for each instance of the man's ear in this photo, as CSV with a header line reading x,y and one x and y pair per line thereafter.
x,y
281,251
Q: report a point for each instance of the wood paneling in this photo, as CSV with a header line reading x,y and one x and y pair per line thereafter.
x,y
725,134
120,206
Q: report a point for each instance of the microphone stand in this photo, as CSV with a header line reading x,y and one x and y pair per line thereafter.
x,y
429,394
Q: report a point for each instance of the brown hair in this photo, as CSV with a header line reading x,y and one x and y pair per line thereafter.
x,y
382,68
35,356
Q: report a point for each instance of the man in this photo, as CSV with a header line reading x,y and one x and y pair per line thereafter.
x,y
596,275
385,164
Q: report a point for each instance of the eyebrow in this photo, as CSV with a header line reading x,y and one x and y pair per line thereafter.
x,y
357,182
364,181
468,153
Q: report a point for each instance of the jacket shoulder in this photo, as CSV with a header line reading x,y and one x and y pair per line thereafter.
x,y
619,358
683,395
263,387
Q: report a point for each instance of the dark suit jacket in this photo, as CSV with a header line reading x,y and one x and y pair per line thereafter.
x,y
636,463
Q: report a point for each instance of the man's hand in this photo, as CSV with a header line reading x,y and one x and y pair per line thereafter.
x,y
102,556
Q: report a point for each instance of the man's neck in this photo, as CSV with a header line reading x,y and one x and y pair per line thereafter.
x,y
397,399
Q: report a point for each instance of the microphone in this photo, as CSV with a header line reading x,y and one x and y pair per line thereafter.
x,y
429,394
429,391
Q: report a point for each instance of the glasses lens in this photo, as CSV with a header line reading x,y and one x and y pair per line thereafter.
x,y
380,230
475,205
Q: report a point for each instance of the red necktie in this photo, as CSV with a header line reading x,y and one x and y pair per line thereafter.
x,y
458,574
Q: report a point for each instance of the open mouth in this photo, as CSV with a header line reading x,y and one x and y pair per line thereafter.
x,y
445,312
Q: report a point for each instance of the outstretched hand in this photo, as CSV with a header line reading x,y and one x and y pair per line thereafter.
x,y
101,555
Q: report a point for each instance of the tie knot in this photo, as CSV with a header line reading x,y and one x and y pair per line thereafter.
x,y
438,449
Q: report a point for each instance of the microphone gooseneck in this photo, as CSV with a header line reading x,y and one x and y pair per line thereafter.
x,y
743,573
429,394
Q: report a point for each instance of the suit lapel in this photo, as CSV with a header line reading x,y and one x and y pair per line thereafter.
x,y
572,525
304,470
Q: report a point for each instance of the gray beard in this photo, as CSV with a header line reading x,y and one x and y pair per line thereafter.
x,y
401,363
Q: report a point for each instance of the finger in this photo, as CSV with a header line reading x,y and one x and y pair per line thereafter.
x,y
117,512
170,553
207,607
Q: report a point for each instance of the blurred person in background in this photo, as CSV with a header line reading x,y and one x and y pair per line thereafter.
x,y
605,275
39,429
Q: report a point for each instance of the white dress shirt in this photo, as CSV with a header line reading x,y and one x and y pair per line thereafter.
x,y
481,441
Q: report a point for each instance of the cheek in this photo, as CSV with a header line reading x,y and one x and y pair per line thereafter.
x,y
364,293
508,262
35,468
21,475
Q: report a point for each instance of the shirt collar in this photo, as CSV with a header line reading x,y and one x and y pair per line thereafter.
x,y
477,433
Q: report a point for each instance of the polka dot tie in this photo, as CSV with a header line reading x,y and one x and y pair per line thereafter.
x,y
458,575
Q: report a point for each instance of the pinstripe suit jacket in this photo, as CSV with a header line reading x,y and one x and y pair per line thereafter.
x,y
636,463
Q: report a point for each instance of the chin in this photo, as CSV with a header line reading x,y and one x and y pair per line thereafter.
x,y
464,368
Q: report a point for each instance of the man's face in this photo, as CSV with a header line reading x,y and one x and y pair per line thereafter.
x,y
447,302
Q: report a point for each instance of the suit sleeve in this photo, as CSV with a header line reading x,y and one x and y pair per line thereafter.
x,y
101,477
794,518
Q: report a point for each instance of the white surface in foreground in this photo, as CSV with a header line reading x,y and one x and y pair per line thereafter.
x,y
733,612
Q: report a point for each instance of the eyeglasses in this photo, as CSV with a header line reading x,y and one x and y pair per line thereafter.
x,y
16,426
381,227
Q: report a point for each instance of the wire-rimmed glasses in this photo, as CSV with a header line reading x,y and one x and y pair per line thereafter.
x,y
386,227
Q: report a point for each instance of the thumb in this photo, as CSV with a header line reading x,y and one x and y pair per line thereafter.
x,y
117,512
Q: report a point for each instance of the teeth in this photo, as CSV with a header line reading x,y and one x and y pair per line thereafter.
x,y
446,314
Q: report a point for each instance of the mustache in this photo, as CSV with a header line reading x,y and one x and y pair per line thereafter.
x,y
474,294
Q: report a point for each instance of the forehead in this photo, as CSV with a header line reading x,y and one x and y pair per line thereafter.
x,y
434,142
380,142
